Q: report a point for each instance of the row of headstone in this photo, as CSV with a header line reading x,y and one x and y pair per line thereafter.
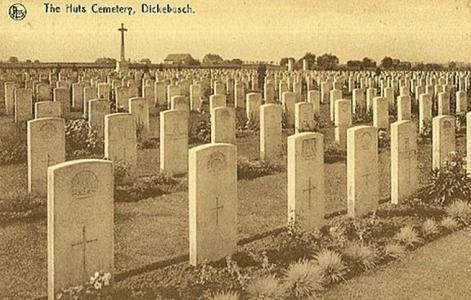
x,y
80,193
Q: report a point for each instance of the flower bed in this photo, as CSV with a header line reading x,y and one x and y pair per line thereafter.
x,y
297,264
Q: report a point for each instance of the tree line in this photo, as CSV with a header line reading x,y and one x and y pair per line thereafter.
x,y
329,61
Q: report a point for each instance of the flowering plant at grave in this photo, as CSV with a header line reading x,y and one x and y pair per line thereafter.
x,y
100,280
90,290
426,130
449,183
199,128
120,171
80,140
383,139
362,117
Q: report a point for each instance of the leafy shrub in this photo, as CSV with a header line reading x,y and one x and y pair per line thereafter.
x,y
120,171
392,111
408,237
429,228
140,132
449,223
330,265
241,119
200,128
234,270
334,153
448,183
252,124
13,147
426,130
247,169
362,116
384,140
460,211
303,279
316,125
81,140
394,250
206,273
360,255
145,187
229,295
266,288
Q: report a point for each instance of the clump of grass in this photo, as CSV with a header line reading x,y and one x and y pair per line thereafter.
x,y
228,295
429,228
330,265
266,288
408,236
360,255
449,223
303,279
394,250
460,211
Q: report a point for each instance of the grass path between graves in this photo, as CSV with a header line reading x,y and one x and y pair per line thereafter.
x,y
439,270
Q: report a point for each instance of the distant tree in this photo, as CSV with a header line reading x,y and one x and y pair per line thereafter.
x,y
368,63
13,60
309,57
28,61
404,65
237,61
36,61
396,63
105,60
327,61
433,67
387,63
419,67
354,65
451,65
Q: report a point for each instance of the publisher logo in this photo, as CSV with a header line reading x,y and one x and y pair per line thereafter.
x,y
17,12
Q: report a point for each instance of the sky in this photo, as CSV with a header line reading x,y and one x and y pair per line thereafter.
x,y
412,30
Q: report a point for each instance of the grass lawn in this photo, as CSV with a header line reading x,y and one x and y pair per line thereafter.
x,y
439,270
153,229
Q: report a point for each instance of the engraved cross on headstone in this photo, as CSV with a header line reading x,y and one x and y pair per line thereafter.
x,y
217,208
84,243
309,190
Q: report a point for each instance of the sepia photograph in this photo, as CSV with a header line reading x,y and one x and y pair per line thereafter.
x,y
235,149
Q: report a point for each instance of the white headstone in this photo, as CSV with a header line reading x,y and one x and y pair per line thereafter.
x,y
80,222
212,190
